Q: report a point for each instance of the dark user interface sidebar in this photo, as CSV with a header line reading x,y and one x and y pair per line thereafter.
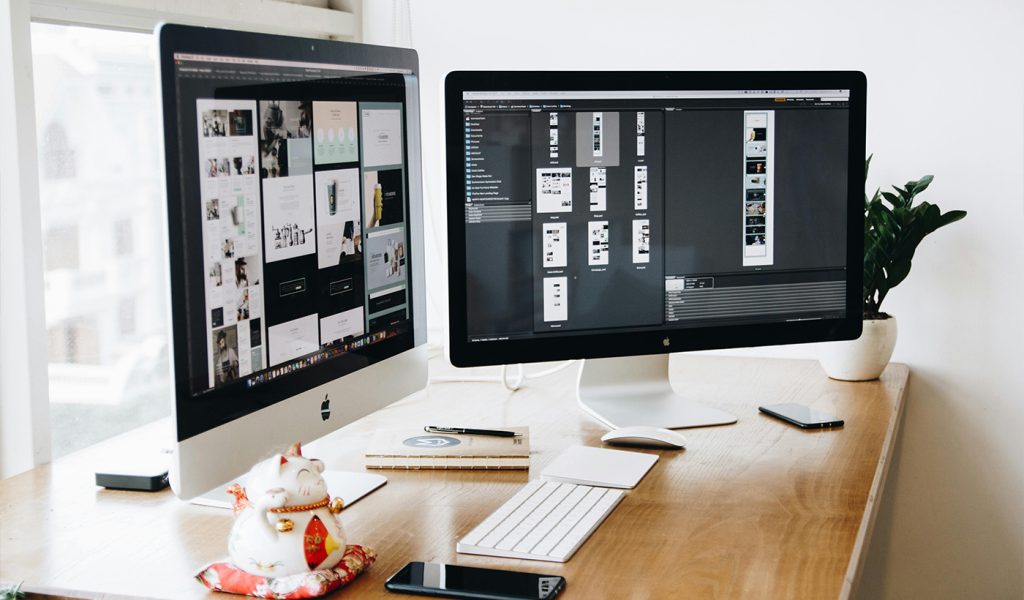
x,y
491,193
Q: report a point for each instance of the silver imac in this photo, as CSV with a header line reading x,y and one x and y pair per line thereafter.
x,y
294,239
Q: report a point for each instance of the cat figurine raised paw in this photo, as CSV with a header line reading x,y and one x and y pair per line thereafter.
x,y
285,522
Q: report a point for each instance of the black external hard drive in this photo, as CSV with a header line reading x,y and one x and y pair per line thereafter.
x,y
144,476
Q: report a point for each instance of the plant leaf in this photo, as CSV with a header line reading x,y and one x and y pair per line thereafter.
x,y
897,272
950,217
894,227
894,200
921,184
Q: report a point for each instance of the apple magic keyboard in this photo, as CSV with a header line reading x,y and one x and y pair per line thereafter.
x,y
545,520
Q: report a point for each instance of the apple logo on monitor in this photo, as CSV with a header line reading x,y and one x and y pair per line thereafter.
x,y
325,408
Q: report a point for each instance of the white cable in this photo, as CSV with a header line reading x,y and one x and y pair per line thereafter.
x,y
521,377
517,382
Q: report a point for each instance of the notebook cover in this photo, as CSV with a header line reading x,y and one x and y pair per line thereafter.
x,y
415,449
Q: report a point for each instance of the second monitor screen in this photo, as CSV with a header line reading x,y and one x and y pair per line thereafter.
x,y
608,214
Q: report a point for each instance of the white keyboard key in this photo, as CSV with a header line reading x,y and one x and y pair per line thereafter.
x,y
577,535
550,520
516,535
488,524
480,531
520,513
610,498
552,535
570,520
531,522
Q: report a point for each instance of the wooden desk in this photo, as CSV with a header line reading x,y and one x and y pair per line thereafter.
x,y
757,509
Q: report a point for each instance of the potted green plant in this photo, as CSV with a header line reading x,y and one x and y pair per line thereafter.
x,y
894,226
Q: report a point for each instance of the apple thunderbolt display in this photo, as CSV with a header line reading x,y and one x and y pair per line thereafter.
x,y
621,216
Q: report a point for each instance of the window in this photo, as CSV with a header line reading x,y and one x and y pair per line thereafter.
x,y
100,200
93,91
54,146
61,242
73,342
126,317
123,234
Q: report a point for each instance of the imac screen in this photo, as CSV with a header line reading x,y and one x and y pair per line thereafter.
x,y
289,231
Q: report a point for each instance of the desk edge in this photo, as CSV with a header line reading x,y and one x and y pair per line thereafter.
x,y
901,374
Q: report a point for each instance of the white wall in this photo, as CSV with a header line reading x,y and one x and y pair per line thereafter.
x,y
946,96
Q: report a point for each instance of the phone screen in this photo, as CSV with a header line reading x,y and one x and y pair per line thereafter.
x,y
453,581
801,415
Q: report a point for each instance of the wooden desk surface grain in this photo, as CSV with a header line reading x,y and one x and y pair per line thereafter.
x,y
759,509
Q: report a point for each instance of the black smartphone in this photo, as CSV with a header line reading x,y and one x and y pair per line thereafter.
x,y
801,416
453,581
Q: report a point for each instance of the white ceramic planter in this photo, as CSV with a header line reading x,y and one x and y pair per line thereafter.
x,y
864,358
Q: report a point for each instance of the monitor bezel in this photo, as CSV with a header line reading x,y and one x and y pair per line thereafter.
x,y
174,39
464,353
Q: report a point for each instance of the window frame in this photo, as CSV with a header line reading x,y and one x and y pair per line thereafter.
x,y
24,387
268,16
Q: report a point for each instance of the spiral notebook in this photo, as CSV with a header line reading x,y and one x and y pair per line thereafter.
x,y
414,449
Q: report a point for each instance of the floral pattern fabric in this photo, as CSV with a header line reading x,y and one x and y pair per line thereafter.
x,y
226,577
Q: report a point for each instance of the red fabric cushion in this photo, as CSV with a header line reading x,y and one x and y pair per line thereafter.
x,y
226,577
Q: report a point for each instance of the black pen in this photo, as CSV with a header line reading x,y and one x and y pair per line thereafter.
x,y
467,431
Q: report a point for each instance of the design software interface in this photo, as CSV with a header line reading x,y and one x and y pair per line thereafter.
x,y
610,210
295,181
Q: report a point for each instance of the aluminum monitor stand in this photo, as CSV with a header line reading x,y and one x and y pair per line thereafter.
x,y
635,390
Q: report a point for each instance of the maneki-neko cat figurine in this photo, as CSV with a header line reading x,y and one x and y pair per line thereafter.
x,y
285,521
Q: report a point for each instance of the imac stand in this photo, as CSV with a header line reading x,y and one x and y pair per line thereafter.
x,y
628,391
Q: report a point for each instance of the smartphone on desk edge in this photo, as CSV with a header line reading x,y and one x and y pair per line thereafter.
x,y
802,416
454,581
